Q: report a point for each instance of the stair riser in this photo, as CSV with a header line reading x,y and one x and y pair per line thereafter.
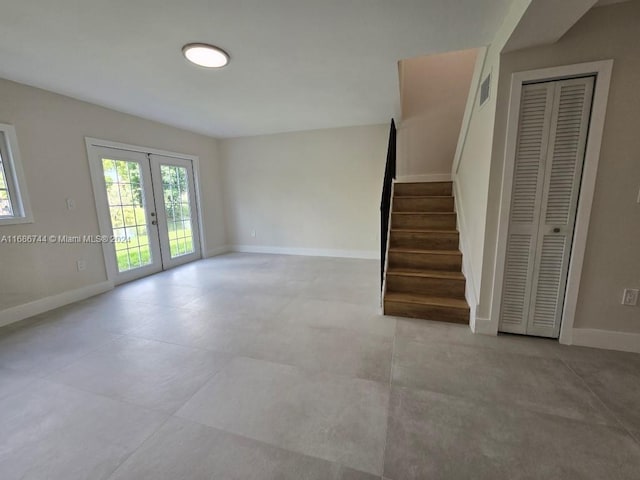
x,y
425,241
423,204
434,188
433,287
424,221
428,312
426,261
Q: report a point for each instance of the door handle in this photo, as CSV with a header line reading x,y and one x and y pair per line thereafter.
x,y
153,222
556,230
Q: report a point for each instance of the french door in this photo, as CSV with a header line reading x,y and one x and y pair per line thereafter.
x,y
552,137
151,204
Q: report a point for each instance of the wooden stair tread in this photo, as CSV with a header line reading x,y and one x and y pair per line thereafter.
x,y
426,300
422,196
423,213
449,182
412,272
424,252
418,230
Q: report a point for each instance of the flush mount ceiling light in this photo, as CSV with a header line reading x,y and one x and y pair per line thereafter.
x,y
205,55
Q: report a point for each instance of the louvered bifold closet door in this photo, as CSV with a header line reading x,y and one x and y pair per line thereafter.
x,y
528,179
565,160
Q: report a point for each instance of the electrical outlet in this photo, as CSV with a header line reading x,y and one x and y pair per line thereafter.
x,y
71,204
630,297
82,265
253,233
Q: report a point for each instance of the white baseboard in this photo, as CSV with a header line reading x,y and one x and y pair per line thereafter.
x,y
432,177
36,307
311,252
470,293
611,340
482,326
217,251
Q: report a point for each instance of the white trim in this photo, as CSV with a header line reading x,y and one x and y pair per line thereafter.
x,y
195,164
602,70
431,177
476,81
36,307
611,340
310,252
383,290
16,181
92,144
214,252
482,326
471,290
97,142
156,162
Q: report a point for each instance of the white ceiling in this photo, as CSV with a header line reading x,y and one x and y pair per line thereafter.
x,y
295,64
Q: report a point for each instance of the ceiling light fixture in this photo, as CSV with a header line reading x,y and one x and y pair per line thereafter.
x,y
205,55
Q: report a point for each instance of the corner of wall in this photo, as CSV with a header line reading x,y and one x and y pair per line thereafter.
x,y
214,252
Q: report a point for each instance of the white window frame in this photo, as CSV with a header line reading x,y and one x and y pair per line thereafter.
x,y
14,176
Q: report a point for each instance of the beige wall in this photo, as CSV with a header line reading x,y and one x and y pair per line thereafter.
x,y
612,259
434,93
51,130
306,190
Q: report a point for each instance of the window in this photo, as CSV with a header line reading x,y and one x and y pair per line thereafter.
x,y
14,204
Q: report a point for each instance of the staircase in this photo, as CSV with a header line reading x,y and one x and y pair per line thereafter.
x,y
424,273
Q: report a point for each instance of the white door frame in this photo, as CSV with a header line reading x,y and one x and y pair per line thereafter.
x,y
97,181
161,212
602,71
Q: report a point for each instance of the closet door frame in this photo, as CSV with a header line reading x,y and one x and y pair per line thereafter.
x,y
602,71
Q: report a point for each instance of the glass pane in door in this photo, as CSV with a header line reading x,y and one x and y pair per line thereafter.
x,y
128,213
175,190
6,210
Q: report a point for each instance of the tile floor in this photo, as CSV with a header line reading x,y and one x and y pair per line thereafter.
x,y
281,367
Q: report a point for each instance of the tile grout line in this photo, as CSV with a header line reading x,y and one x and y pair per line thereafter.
x,y
132,452
173,414
386,432
102,345
604,405
520,406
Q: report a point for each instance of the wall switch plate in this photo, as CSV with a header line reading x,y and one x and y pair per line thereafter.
x,y
82,265
253,233
630,297
71,204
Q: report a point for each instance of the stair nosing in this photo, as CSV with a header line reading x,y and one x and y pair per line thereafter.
x,y
424,230
422,251
427,300
423,196
423,213
447,182
427,274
